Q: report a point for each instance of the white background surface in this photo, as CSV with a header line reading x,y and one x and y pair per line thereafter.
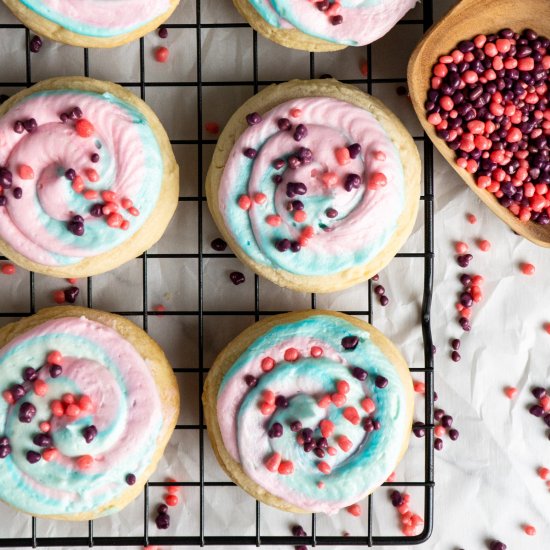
x,y
486,482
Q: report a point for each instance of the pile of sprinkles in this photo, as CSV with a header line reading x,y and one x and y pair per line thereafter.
x,y
64,409
488,100
411,523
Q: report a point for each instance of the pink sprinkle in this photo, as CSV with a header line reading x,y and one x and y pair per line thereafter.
x,y
344,443
332,451
342,386
244,202
461,247
404,508
25,172
267,364
295,112
274,220
260,198
484,245
439,431
8,397
330,179
267,409
342,156
324,467
510,392
368,405
530,530
316,351
377,180
392,478
160,308
471,218
321,484
291,354
273,462
380,155
354,510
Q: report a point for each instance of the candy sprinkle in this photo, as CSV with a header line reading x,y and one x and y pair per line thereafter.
x,y
527,269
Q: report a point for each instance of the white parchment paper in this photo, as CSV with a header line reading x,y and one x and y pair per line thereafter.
x,y
486,482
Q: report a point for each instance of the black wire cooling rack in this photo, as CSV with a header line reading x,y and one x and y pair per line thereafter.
x,y
428,260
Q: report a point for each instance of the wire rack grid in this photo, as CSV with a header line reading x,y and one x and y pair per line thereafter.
x,y
427,484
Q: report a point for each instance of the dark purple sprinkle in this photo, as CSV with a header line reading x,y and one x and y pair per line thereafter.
x,y
359,373
322,443
350,342
453,434
300,132
322,5
5,450
237,278
297,205
455,344
4,441
219,245
305,155
27,412
162,32
309,446
96,210
546,419
307,435
435,396
384,301
30,374
295,426
380,290
295,246
434,349
253,118
35,44
89,433
33,457
465,324
418,429
76,228
438,414
455,356
42,440
319,453
466,299
70,174
538,392
298,531
301,547
284,124
283,245
354,150
352,181
293,162
94,157
18,127
6,178
162,521
325,75
497,545
464,260
381,382
17,193
447,421
331,212
281,401
17,392
250,381
30,125
64,117
131,479
162,509
250,153
376,425
438,444
27,386
336,20
71,294
55,371
3,200
75,113
536,410
368,425
396,499
278,164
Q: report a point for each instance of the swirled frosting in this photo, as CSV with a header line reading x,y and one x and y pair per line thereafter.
x,y
346,216
359,452
99,18
358,22
126,412
117,152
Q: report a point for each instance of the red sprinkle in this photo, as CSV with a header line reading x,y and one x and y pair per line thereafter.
x,y
25,172
54,358
351,415
291,354
377,180
92,175
354,510
547,327
274,220
84,462
171,500
57,408
244,202
84,128
273,462
295,112
85,404
72,410
260,198
161,54
324,467
49,454
484,245
78,184
44,427
40,387
471,218
510,392
316,351
461,247
344,443
267,409
530,530
7,269
342,156
8,397
419,387
527,269
364,68
342,386
327,428
368,405
338,399
544,473
267,364
212,127
114,220
268,396
324,402
286,467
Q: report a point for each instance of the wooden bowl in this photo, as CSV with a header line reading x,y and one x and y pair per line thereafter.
x,y
466,20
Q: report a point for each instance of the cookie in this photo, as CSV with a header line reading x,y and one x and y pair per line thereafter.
x,y
92,23
89,404
88,178
322,26
310,411
314,185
